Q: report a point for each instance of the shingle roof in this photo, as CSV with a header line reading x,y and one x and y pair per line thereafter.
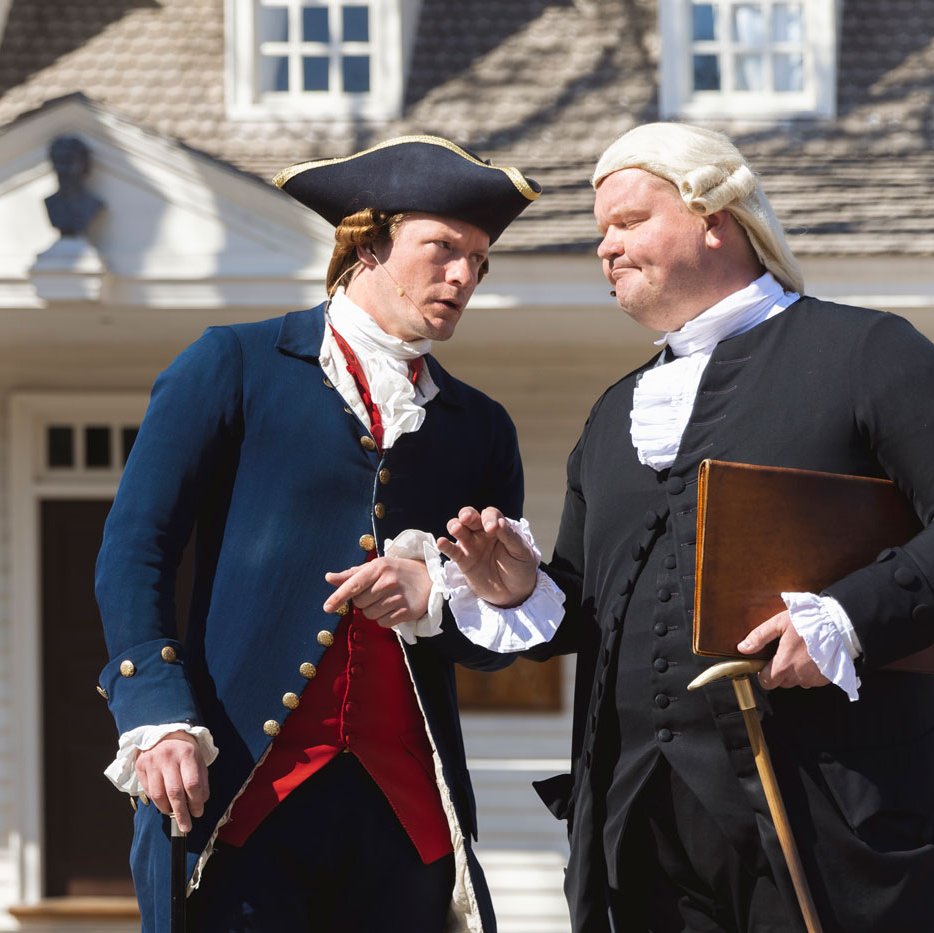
x,y
543,84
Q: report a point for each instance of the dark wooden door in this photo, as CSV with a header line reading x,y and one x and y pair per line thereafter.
x,y
88,822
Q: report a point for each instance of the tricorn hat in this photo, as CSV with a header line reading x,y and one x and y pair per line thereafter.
x,y
413,173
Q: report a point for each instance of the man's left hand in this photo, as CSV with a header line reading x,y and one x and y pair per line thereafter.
x,y
791,665
388,590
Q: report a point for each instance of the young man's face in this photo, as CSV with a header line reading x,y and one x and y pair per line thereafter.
x,y
436,261
653,249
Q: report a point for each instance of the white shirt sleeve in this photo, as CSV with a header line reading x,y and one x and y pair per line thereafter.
x,y
829,636
121,770
501,630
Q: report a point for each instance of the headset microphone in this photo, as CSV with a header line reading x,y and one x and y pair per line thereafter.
x,y
400,291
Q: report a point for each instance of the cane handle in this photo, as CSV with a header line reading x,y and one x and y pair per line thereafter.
x,y
730,669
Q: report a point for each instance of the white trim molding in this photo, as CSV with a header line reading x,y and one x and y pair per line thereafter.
x,y
30,482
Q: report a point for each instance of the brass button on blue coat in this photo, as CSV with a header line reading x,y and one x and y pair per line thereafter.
x,y
271,727
384,476
904,577
308,670
327,383
660,665
127,668
290,701
325,638
367,542
665,735
367,442
675,485
379,510
168,654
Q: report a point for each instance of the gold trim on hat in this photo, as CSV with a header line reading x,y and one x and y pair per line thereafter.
x,y
513,174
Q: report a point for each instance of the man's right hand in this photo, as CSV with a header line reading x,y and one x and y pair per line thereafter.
x,y
499,565
175,777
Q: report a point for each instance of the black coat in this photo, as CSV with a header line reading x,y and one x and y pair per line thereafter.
x,y
819,387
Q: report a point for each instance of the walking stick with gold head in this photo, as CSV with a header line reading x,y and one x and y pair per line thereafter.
x,y
739,673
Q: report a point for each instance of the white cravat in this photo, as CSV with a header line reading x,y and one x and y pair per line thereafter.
x,y
385,361
664,397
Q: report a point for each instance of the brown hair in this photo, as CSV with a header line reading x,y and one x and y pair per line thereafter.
x,y
364,228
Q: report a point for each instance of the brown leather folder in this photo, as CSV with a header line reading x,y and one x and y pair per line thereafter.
x,y
762,531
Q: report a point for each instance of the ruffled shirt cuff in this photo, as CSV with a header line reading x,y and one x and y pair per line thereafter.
x,y
420,545
829,637
122,770
506,630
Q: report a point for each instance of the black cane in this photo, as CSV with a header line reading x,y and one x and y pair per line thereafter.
x,y
179,878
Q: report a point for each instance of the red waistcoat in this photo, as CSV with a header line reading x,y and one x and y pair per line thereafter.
x,y
361,701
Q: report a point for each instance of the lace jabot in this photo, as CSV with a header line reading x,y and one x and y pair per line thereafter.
x,y
664,397
385,361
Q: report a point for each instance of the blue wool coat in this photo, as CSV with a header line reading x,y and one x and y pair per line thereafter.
x,y
248,446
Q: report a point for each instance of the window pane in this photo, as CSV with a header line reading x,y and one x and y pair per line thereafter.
x,y
788,72
356,24
706,73
315,24
705,22
97,447
272,24
749,24
749,73
787,23
356,74
316,73
273,73
128,439
60,447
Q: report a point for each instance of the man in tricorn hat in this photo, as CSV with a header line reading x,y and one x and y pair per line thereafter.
x,y
324,440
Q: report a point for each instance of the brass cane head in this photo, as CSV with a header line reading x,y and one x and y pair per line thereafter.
x,y
731,669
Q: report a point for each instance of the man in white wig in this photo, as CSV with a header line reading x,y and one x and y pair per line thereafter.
x,y
668,825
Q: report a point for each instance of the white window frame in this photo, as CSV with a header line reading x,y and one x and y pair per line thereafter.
x,y
382,102
30,482
817,99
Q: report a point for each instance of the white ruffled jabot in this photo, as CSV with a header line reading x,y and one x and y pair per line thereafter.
x,y
664,397
385,361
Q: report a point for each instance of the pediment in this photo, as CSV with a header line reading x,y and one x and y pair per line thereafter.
x,y
180,229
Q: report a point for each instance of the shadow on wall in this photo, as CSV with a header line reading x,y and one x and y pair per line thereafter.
x,y
39,32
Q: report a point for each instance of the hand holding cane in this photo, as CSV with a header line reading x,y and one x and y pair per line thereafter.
x,y
739,673
179,880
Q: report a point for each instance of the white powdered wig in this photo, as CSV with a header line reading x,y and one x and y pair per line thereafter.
x,y
711,175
